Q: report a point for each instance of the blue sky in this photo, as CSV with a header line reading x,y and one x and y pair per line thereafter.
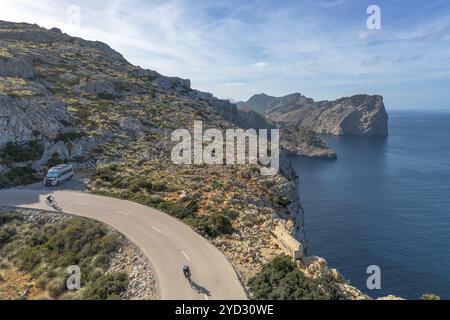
x,y
234,49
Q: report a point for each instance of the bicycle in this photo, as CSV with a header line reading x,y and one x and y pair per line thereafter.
x,y
187,273
51,202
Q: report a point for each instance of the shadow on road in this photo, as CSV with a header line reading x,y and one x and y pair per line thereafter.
x,y
13,198
200,289
30,195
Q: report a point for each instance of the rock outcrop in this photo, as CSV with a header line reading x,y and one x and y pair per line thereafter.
x,y
294,140
356,115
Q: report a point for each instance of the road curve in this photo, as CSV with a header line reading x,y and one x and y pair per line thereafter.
x,y
167,242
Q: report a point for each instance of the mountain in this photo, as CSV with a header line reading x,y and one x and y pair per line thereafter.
x,y
65,99
263,102
356,115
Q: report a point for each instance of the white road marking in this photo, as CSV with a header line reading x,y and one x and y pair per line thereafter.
x,y
187,257
81,203
206,297
157,230
123,213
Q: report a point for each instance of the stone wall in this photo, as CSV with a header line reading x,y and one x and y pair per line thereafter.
x,y
287,242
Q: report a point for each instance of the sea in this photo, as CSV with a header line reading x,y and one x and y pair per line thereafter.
x,y
385,202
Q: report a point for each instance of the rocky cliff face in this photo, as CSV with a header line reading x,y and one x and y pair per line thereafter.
x,y
67,99
356,115
294,140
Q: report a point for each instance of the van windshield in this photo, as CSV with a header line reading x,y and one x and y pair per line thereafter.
x,y
52,175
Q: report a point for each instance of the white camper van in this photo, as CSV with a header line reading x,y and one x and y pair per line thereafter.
x,y
58,175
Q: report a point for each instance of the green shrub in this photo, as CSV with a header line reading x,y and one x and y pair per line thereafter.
x,y
19,176
6,234
107,287
30,258
70,136
430,296
10,217
249,220
173,208
106,173
22,152
54,160
46,251
222,223
202,225
210,226
56,287
106,96
282,201
280,279
230,213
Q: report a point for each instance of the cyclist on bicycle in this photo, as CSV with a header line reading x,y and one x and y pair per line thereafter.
x,y
187,272
50,199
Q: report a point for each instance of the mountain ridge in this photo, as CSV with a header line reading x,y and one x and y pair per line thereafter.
x,y
355,115
65,99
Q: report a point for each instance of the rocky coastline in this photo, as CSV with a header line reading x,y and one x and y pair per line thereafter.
x,y
65,99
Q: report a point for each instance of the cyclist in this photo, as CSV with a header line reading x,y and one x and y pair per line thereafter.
x,y
50,199
187,272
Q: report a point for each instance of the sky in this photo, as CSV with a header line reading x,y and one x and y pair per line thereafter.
x,y
237,48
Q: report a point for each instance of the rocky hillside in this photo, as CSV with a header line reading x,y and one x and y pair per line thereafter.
x,y
65,99
356,115
36,249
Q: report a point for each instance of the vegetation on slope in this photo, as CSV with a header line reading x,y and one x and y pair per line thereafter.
x,y
126,116
281,279
20,175
44,251
17,176
155,191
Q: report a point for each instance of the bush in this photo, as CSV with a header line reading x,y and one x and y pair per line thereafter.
x,y
46,251
222,224
280,279
22,152
6,234
57,287
107,287
430,296
230,213
70,136
202,225
210,226
106,173
54,160
19,176
284,202
9,217
249,220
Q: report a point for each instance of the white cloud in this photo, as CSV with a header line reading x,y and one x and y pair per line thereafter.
x,y
260,65
237,50
234,84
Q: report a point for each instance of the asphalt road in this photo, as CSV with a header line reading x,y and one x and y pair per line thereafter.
x,y
167,242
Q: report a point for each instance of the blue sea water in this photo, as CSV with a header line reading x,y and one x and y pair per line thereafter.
x,y
385,202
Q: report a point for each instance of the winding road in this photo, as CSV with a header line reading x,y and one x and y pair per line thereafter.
x,y
167,242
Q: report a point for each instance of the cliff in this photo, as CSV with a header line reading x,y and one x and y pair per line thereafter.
x,y
293,139
356,115
65,99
